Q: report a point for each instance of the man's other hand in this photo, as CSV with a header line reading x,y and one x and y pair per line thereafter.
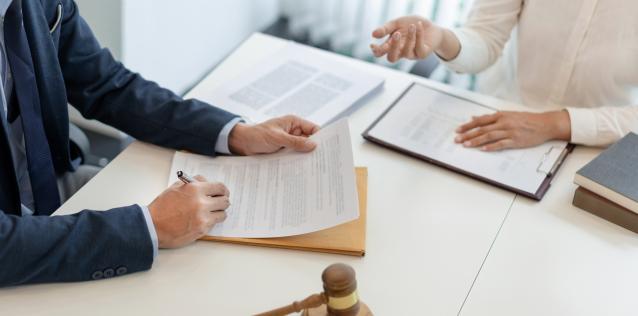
x,y
185,212
271,136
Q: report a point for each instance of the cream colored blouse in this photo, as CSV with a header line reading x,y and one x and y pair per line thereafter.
x,y
581,55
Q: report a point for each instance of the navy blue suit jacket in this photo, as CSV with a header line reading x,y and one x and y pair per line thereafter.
x,y
71,67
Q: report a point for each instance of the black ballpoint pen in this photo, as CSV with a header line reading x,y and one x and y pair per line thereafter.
x,y
184,177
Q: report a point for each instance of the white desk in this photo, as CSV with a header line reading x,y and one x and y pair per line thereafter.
x,y
552,258
429,231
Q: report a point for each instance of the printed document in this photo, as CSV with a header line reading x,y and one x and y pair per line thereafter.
x,y
296,80
286,193
424,122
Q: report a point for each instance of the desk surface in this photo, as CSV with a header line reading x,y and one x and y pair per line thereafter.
x,y
552,258
429,233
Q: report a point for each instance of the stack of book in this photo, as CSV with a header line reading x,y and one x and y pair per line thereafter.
x,y
608,185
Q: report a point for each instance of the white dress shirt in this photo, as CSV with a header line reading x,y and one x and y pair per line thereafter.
x,y
578,55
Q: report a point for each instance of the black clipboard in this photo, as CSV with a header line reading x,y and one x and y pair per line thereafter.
x,y
538,195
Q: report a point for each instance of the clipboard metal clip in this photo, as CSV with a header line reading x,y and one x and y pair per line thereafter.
x,y
551,160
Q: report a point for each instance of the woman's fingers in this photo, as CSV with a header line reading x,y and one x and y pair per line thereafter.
x,y
383,49
407,37
484,131
478,121
476,132
381,32
487,138
421,50
410,43
377,51
386,29
499,145
395,47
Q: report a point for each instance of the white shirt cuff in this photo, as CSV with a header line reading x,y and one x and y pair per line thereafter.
x,y
221,146
583,126
151,229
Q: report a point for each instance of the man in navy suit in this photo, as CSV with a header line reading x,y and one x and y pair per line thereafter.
x,y
49,58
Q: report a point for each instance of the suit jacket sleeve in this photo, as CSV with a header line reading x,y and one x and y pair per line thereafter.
x,y
83,246
102,88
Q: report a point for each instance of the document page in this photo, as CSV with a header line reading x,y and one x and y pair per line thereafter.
x,y
283,194
296,80
424,122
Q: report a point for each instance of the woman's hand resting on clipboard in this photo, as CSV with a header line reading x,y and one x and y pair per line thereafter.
x,y
504,130
414,37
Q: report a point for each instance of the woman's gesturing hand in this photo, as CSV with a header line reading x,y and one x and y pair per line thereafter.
x,y
410,37
414,37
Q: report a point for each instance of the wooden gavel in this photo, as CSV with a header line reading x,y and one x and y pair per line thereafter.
x,y
339,297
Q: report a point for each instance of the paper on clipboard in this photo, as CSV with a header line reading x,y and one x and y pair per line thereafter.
x,y
423,123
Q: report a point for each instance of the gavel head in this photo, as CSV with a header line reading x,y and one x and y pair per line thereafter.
x,y
340,289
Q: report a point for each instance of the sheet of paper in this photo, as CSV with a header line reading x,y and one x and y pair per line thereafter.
x,y
283,194
424,122
295,80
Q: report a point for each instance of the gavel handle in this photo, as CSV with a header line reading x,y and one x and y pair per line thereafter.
x,y
311,301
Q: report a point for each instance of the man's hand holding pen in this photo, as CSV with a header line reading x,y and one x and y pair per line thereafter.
x,y
187,210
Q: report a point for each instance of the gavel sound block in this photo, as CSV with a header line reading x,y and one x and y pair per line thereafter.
x,y
339,298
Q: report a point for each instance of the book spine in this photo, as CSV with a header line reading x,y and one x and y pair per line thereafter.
x,y
606,209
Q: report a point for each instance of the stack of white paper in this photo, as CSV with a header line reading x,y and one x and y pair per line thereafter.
x,y
283,194
296,80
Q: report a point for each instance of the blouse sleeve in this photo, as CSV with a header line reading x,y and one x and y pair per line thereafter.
x,y
484,35
602,126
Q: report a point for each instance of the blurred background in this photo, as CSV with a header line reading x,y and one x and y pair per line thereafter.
x,y
176,43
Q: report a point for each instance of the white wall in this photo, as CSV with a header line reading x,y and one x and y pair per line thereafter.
x,y
175,43
105,18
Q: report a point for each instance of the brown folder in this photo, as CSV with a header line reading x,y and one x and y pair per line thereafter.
x,y
345,239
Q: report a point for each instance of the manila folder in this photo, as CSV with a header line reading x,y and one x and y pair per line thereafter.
x,y
346,239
